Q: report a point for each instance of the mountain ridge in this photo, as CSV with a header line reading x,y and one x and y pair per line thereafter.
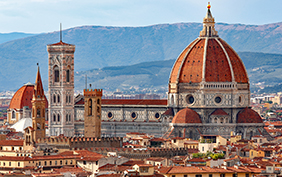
x,y
102,46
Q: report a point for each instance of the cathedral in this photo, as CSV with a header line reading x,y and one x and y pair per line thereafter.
x,y
208,94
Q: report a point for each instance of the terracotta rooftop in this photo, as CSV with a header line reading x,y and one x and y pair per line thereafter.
x,y
23,97
129,102
60,43
248,115
218,54
219,112
186,115
11,142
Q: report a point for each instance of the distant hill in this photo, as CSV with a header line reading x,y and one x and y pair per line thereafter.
x,y
261,67
5,37
100,46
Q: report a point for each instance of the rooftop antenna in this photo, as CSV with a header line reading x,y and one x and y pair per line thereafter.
x,y
61,32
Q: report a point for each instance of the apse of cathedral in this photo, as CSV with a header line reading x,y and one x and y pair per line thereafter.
x,y
208,94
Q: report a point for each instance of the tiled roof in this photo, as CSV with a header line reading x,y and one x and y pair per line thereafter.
x,y
219,112
169,112
128,102
60,43
248,115
11,142
187,115
23,97
194,169
133,102
190,64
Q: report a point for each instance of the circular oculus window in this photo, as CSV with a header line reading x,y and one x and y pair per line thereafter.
x,y
157,115
110,115
217,99
133,115
190,99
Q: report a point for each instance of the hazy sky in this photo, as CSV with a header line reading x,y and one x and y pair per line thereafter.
x,y
36,16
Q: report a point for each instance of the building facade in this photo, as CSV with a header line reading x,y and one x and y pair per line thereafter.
x,y
61,88
209,89
92,112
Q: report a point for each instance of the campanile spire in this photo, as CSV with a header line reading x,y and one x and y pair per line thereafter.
x,y
208,25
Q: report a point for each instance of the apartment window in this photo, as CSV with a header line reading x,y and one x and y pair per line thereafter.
x,y
235,175
71,162
55,162
45,163
61,162
222,175
173,176
19,164
96,162
39,163
203,148
50,162
247,175
185,175
66,162
4,163
10,164
84,162
198,175
210,175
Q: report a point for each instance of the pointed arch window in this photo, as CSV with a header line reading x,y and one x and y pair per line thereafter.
x,y
67,98
90,107
38,112
56,74
68,75
58,98
58,117
54,118
13,115
54,98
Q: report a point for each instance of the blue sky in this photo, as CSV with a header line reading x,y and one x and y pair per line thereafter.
x,y
36,16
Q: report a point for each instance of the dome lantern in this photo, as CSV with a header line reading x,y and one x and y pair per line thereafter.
x,y
208,25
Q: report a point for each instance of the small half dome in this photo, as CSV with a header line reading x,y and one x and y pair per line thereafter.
x,y
248,115
186,115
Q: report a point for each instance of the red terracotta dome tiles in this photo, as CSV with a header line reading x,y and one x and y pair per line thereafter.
x,y
175,70
191,70
248,115
240,74
23,98
187,115
219,112
217,67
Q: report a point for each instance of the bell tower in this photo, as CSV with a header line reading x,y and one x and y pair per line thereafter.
x,y
38,108
92,112
61,88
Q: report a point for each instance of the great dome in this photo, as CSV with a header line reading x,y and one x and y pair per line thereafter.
x,y
208,59
23,97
